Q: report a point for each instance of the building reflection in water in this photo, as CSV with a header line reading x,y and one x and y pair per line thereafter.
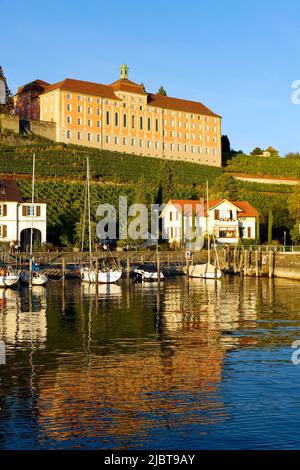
x,y
135,357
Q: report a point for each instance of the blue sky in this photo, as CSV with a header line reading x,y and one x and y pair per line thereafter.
x,y
238,58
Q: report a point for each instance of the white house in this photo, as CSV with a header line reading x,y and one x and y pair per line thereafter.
x,y
18,215
228,221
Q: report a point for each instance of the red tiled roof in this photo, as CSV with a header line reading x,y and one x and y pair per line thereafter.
x,y
127,85
9,191
189,206
88,88
246,210
36,85
179,104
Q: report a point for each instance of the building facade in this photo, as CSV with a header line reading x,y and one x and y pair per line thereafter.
x,y
18,215
27,101
123,117
227,221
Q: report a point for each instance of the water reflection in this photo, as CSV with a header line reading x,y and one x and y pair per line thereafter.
x,y
134,365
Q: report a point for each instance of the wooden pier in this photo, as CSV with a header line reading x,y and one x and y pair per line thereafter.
x,y
250,261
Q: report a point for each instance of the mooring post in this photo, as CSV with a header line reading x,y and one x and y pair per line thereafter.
x,y
246,262
158,266
63,267
96,270
128,267
187,266
271,263
30,272
234,260
256,264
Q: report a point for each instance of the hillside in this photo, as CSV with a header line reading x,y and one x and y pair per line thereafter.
x,y
61,171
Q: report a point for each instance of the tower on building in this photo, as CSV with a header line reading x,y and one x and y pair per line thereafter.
x,y
124,72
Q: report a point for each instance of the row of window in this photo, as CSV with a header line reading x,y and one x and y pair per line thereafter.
x,y
26,210
142,143
157,110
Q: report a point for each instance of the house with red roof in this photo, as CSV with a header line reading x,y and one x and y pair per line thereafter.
x,y
228,221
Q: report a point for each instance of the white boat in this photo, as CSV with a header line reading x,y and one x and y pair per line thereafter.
x,y
144,275
36,280
107,275
9,279
104,277
205,271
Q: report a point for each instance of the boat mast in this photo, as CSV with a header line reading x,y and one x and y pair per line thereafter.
x,y
89,205
207,230
32,206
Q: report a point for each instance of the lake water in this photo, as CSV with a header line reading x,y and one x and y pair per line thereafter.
x,y
191,364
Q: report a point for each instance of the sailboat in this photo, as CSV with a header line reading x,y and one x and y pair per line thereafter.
x,y
32,277
8,278
207,270
89,274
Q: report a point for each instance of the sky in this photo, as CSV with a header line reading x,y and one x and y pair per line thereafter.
x,y
239,58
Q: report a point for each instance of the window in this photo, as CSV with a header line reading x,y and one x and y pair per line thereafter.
x,y
116,119
79,109
90,110
157,145
132,141
207,151
107,118
116,140
215,151
98,100
107,101
3,210
3,231
156,125
79,135
90,99
90,137
98,111
107,139
90,122
69,119
171,216
98,123
124,120
68,96
69,107
69,134
141,122
98,138
149,124
132,121
141,143
124,141
172,146
79,97
149,144
79,121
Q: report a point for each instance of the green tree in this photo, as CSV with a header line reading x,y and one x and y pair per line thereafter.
x,y
225,142
294,208
257,151
270,227
166,187
227,187
9,100
293,156
162,91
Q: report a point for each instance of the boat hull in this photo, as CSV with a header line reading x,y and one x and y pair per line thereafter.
x,y
204,271
104,277
149,276
38,280
9,280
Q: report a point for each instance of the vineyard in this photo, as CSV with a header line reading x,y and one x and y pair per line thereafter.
x,y
264,166
69,162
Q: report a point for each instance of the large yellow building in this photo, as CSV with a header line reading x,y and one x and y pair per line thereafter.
x,y
125,118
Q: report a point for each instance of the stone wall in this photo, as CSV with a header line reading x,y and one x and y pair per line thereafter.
x,y
44,129
9,122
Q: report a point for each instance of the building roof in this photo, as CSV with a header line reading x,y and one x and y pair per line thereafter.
x,y
124,84
188,206
9,191
179,105
88,88
108,91
245,209
35,86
